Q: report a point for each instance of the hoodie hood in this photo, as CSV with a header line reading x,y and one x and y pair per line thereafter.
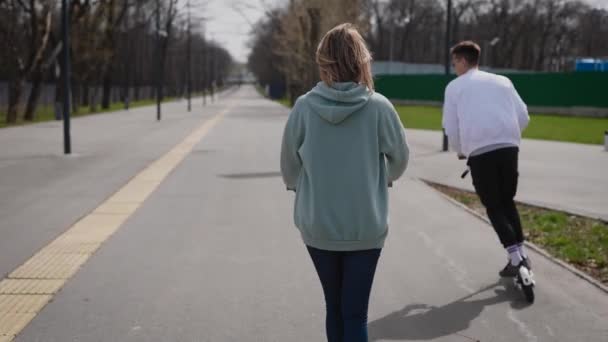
x,y
336,103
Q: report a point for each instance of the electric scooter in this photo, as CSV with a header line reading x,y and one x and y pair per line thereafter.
x,y
525,278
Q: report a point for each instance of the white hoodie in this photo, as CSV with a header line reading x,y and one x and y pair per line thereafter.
x,y
483,109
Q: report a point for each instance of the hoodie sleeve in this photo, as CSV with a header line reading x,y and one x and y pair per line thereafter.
x,y
393,144
293,137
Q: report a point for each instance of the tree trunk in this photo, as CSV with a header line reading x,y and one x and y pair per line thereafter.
x,y
93,102
106,97
85,95
15,91
58,100
136,92
314,15
32,101
75,97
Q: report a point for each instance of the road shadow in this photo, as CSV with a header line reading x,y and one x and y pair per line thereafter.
x,y
257,116
251,175
427,154
427,322
201,151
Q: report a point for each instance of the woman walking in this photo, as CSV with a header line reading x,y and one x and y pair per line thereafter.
x,y
343,145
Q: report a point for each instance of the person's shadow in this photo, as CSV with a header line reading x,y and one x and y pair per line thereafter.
x,y
425,322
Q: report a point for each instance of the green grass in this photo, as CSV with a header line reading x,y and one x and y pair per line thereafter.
x,y
285,102
260,90
571,129
420,117
542,126
580,241
47,113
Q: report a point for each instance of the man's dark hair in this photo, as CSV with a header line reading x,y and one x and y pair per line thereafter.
x,y
468,50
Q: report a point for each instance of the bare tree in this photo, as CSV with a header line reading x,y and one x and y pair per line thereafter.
x,y
25,35
102,40
301,27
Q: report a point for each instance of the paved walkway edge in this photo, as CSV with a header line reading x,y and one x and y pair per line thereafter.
x,y
540,205
530,245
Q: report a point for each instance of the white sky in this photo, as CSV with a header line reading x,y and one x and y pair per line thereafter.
x,y
599,3
231,29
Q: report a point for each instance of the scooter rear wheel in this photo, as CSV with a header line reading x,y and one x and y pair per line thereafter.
x,y
528,293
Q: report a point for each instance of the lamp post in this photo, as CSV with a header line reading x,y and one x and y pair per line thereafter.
x,y
212,61
208,77
204,70
158,62
188,62
448,38
448,31
204,73
159,67
160,34
65,68
127,63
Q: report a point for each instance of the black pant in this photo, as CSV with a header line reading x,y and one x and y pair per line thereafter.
x,y
495,179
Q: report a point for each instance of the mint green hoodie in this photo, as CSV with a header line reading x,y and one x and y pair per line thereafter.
x,y
342,147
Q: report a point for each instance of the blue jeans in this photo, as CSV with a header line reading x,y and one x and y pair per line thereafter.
x,y
346,278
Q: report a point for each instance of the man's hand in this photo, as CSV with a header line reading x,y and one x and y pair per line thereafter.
x,y
461,156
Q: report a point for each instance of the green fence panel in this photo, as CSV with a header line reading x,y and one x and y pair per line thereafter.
x,y
413,87
583,89
537,89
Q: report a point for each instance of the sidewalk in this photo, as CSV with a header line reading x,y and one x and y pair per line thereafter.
x,y
563,176
42,191
212,255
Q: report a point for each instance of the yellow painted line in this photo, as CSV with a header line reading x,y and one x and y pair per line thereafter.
x,y
117,208
32,285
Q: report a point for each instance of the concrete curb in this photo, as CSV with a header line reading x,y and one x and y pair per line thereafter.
x,y
528,244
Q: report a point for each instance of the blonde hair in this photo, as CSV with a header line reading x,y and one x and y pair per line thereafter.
x,y
342,56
